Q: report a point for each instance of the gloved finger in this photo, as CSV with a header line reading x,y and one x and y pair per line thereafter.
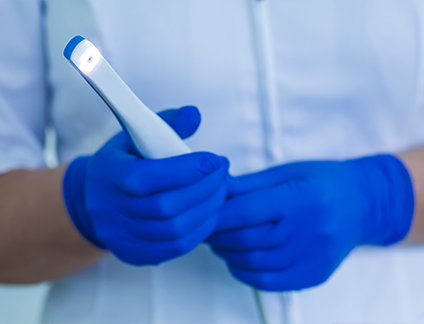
x,y
252,238
286,201
178,226
142,252
120,142
268,178
185,121
306,273
276,258
248,238
146,177
170,203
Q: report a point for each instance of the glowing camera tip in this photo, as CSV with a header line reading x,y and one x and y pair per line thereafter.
x,y
88,59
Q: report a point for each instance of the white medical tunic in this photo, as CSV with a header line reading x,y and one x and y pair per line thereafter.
x,y
275,81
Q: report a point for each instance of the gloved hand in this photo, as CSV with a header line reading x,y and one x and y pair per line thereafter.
x,y
289,227
147,211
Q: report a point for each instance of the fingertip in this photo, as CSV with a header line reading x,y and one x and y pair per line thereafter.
x,y
192,113
146,177
185,120
225,163
225,160
192,117
210,163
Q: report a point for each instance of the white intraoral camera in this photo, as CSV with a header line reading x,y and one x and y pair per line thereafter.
x,y
153,138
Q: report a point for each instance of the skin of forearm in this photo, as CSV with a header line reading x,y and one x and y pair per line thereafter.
x,y
414,162
38,240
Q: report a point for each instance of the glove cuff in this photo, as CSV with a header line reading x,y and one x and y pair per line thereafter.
x,y
389,185
74,196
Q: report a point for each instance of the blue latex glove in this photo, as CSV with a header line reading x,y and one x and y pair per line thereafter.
x,y
147,211
289,227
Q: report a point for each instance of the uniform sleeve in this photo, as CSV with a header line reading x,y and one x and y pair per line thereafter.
x,y
22,85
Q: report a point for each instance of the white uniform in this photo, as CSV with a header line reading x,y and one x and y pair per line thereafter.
x,y
275,81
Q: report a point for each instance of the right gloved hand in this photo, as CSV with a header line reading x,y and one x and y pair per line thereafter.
x,y
147,211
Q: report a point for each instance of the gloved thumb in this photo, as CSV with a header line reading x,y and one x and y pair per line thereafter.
x,y
184,121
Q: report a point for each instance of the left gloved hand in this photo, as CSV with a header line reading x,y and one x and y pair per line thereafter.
x,y
289,227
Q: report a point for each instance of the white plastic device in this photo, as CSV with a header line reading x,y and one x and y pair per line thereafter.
x,y
153,138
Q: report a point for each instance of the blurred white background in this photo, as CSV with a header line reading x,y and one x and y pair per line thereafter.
x,y
22,304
